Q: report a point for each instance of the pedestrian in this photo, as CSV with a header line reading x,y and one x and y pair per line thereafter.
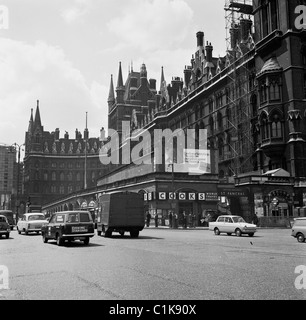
x,y
184,220
175,224
156,220
170,219
148,219
190,220
193,220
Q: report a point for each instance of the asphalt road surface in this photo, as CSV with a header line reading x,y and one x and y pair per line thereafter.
x,y
162,264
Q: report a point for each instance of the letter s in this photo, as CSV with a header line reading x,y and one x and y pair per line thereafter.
x,y
300,281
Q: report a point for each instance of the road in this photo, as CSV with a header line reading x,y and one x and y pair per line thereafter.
x,y
162,264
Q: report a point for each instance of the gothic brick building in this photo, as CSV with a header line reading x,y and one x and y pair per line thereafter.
x,y
54,166
252,104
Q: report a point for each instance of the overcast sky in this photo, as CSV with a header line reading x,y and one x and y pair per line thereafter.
x,y
63,52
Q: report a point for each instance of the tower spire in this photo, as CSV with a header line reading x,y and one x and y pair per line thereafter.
x,y
37,120
111,95
162,80
120,78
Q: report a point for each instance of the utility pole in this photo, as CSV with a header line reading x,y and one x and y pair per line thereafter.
x,y
85,167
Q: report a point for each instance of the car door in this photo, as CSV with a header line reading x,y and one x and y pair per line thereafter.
x,y
51,227
231,225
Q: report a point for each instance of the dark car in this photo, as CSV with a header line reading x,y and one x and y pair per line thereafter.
x,y
10,217
70,226
4,227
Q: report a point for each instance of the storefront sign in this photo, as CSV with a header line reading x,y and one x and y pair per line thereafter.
x,y
182,196
232,192
212,196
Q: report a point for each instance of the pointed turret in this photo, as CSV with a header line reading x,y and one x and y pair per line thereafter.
x,y
120,87
162,80
37,121
31,121
111,95
120,79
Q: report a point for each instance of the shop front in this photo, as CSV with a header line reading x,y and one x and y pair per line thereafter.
x,y
189,208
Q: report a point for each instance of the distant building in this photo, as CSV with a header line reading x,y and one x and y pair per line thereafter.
x,y
7,176
54,166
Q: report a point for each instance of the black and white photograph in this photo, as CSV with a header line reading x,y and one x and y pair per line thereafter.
x,y
153,153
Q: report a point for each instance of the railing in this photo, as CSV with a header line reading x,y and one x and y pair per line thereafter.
x,y
275,222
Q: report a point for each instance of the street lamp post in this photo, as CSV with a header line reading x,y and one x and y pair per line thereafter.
x,y
18,179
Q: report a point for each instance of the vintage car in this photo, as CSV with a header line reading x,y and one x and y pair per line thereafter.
x,y
31,222
10,217
4,227
70,226
298,229
232,224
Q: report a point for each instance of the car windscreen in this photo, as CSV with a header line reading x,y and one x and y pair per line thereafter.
x,y
73,217
85,217
36,217
3,219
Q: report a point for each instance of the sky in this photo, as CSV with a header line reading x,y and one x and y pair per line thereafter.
x,y
63,53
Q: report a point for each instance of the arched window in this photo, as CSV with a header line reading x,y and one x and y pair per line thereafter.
x,y
78,176
53,176
276,126
254,105
211,125
62,189
264,127
69,176
62,176
219,119
220,147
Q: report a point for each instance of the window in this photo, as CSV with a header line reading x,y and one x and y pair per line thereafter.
x,y
53,177
276,126
62,176
62,189
269,16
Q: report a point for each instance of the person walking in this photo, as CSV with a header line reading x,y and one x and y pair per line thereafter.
x,y
156,220
170,219
148,219
184,220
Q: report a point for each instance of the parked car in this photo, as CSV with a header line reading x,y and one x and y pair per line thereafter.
x,y
31,222
10,217
4,227
298,229
232,224
70,226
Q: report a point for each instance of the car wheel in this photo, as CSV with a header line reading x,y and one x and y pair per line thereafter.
x,y
59,240
229,234
99,233
86,241
300,237
238,232
134,234
45,239
19,232
217,231
251,234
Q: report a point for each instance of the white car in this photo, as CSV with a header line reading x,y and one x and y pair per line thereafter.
x,y
232,224
31,222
